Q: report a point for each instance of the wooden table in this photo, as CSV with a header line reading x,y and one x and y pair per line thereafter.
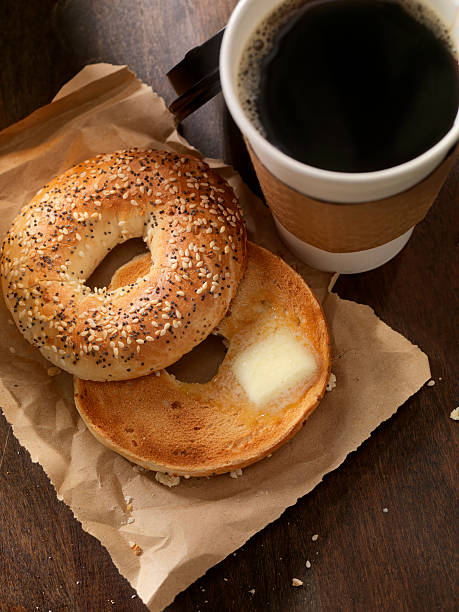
x,y
364,559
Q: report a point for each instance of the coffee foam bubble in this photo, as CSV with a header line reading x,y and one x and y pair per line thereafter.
x,y
263,39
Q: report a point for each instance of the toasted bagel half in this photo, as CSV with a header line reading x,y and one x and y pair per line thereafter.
x,y
272,377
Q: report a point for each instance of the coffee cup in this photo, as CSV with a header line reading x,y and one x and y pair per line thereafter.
x,y
346,222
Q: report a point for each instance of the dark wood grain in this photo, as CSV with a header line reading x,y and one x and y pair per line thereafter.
x,y
364,559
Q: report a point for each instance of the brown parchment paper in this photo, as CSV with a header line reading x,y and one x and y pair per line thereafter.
x,y
183,530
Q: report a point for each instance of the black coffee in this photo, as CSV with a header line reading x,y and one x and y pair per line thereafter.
x,y
351,85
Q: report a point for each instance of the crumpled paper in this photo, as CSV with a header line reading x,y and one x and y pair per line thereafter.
x,y
185,530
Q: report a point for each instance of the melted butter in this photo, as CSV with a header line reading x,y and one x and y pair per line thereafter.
x,y
272,365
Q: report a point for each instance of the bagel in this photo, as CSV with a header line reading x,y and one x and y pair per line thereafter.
x,y
191,222
231,421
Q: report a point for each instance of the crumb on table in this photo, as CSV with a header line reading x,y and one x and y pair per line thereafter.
x,y
296,582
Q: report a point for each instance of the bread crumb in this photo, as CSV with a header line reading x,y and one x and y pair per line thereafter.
x,y
455,414
252,591
385,510
296,582
308,564
331,382
167,479
236,473
315,537
431,383
12,349
53,371
136,548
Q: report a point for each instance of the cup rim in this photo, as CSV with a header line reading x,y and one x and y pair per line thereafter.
x,y
254,136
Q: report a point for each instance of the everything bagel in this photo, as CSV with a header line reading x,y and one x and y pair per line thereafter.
x,y
196,429
191,222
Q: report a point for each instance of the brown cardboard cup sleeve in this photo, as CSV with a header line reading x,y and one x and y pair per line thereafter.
x,y
345,228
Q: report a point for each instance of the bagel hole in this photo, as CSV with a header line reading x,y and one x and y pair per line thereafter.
x,y
116,258
202,363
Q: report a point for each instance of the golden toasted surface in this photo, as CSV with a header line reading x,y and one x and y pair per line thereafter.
x,y
190,220
200,429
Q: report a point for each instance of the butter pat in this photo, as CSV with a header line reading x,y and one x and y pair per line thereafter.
x,y
271,366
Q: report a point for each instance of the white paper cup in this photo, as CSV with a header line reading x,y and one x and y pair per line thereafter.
x,y
325,185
